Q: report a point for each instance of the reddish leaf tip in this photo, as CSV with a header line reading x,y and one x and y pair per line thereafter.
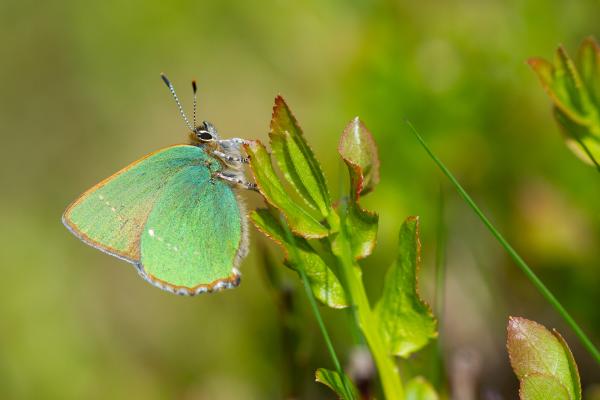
x,y
279,99
562,52
281,110
413,218
516,324
536,63
278,104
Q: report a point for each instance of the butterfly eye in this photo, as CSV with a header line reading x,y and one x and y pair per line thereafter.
x,y
203,135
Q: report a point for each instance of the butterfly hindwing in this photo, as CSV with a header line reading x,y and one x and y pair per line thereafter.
x,y
194,234
170,183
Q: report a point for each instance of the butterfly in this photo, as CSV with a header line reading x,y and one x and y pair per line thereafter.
x,y
174,213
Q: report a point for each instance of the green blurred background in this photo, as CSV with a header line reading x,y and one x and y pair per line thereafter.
x,y
81,97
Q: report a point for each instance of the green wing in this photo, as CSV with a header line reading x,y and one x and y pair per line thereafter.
x,y
183,232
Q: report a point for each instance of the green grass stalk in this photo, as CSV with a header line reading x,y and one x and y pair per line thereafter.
x,y
315,309
539,285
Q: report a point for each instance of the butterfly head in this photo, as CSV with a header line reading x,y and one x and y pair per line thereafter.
x,y
206,132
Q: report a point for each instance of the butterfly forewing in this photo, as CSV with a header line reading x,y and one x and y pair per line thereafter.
x,y
166,195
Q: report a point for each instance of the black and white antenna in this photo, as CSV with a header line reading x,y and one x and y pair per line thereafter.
x,y
172,89
194,89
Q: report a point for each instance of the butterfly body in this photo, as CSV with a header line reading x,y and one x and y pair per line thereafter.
x,y
168,214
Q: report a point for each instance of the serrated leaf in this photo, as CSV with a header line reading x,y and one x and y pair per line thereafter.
x,y
335,382
405,321
299,220
589,61
323,282
359,152
297,160
542,387
541,360
419,389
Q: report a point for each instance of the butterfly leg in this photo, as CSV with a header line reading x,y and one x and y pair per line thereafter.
x,y
236,141
233,159
237,181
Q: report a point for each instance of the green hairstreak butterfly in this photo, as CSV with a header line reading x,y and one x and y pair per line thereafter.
x,y
173,213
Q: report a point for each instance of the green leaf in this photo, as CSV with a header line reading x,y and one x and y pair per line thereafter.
x,y
578,139
336,383
589,60
569,85
324,284
542,361
573,371
419,389
405,321
296,159
361,226
299,220
542,387
358,150
560,84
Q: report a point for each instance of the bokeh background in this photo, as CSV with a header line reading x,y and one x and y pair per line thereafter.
x,y
81,97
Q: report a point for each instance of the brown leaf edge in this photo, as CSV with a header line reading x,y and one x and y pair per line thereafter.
x,y
279,105
417,221
261,191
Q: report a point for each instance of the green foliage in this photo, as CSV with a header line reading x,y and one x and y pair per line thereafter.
x,y
542,361
359,152
296,159
325,252
299,220
335,382
575,93
419,389
74,318
325,285
405,320
527,271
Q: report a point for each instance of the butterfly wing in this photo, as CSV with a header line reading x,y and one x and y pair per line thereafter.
x,y
113,216
194,235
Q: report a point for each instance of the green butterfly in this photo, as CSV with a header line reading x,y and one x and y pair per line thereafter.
x,y
173,213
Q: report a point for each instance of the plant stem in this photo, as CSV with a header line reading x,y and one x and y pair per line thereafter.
x,y
367,320
315,309
546,293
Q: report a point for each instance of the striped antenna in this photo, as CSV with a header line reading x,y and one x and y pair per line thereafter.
x,y
172,89
195,89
